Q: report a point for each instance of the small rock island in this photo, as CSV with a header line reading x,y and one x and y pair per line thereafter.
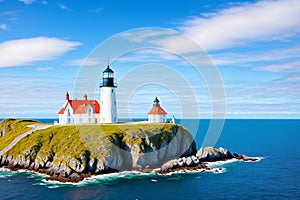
x,y
69,153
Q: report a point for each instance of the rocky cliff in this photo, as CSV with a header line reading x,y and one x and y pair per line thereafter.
x,y
70,153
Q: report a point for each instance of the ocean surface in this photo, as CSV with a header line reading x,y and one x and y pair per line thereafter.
x,y
275,176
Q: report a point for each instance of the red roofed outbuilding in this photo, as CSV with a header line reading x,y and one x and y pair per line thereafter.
x,y
157,114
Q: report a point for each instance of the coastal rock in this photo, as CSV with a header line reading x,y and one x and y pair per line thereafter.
x,y
92,165
213,154
195,159
189,161
194,162
244,158
3,160
76,165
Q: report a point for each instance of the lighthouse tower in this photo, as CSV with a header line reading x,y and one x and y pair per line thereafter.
x,y
108,104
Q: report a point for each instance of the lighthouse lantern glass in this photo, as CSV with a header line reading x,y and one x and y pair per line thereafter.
x,y
108,75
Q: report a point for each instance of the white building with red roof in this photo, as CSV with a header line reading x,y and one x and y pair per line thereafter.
x,y
157,114
79,111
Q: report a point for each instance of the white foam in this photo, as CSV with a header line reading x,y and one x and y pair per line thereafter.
x,y
96,178
221,163
217,167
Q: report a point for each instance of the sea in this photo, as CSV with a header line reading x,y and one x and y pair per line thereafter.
x,y
275,176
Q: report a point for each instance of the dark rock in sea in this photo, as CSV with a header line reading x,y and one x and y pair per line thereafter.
x,y
196,162
244,158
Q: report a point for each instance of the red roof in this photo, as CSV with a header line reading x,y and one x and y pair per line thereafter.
x,y
157,110
80,106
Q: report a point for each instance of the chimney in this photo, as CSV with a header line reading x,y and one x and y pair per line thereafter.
x,y
67,96
85,97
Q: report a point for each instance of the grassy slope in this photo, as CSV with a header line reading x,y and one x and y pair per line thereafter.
x,y
13,128
74,141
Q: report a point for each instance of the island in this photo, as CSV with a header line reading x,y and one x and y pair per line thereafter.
x,y
70,153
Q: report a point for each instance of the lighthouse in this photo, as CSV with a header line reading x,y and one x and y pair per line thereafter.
x,y
108,104
157,114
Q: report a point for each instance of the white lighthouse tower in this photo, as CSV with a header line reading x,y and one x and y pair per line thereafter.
x,y
108,104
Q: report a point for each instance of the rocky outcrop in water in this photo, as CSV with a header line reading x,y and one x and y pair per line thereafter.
x,y
200,159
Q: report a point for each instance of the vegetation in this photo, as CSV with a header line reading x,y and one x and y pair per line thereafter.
x,y
12,128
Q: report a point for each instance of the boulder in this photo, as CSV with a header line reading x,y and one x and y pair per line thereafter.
x,y
195,159
168,165
189,161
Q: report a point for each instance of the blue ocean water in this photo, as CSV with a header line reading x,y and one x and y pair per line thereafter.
x,y
276,176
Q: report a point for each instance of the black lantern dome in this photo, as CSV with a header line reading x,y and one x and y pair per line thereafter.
x,y
108,78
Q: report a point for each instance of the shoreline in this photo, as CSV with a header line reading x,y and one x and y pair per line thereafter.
x,y
201,168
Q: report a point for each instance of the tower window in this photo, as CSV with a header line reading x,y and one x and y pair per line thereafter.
x,y
112,91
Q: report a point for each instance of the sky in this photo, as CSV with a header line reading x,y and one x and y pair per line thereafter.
x,y
252,47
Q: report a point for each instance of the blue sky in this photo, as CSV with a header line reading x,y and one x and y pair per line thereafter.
x,y
255,45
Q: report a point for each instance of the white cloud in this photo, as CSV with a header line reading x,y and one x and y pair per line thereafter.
x,y
3,27
27,1
44,2
141,35
262,21
84,62
260,55
26,51
148,55
44,69
178,43
63,7
281,67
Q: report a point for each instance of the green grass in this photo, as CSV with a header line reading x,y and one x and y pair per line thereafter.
x,y
12,128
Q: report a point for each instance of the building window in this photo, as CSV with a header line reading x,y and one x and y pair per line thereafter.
x,y
89,120
96,120
80,120
112,90
102,103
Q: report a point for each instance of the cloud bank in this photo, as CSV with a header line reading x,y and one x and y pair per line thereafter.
x,y
26,51
27,1
262,21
